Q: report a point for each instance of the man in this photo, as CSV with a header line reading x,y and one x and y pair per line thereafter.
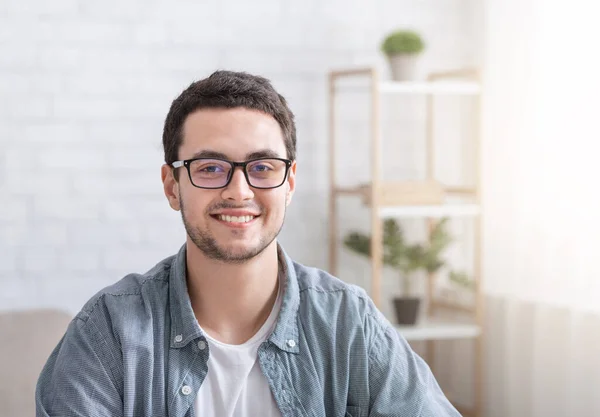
x,y
231,326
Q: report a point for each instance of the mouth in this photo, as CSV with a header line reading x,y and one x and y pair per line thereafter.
x,y
235,221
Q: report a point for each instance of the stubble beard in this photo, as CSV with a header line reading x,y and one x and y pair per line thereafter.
x,y
208,245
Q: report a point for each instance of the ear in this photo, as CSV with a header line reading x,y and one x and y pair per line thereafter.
x,y
291,184
170,186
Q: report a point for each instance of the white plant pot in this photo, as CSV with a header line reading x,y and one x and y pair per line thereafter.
x,y
403,67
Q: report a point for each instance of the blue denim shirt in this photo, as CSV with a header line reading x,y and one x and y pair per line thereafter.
x,y
134,350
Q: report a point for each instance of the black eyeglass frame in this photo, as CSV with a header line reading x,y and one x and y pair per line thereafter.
x,y
187,162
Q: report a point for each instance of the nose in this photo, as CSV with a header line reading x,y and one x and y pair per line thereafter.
x,y
238,188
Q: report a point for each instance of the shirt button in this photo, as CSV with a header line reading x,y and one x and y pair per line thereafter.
x,y
186,390
178,338
291,343
202,345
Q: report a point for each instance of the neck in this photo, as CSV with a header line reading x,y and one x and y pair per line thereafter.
x,y
232,301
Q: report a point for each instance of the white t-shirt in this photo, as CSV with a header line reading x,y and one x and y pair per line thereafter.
x,y
235,385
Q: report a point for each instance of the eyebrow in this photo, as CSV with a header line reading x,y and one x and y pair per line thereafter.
x,y
262,153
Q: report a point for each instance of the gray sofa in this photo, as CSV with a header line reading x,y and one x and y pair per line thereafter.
x,y
26,340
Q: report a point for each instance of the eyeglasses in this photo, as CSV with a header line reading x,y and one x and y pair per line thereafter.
x,y
212,173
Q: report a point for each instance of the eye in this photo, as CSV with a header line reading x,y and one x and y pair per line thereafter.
x,y
211,168
261,168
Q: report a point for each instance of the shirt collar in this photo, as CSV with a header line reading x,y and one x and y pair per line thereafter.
x,y
185,328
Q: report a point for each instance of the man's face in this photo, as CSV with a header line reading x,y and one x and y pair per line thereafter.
x,y
237,135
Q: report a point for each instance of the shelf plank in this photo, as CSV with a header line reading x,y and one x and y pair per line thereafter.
x,y
454,87
439,331
435,87
436,211
358,190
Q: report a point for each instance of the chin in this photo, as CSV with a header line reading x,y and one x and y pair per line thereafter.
x,y
237,254
231,247
228,252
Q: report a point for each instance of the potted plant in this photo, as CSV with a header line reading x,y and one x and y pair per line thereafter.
x,y
402,48
407,259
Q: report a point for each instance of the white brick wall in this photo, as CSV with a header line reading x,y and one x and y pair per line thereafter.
x,y
85,87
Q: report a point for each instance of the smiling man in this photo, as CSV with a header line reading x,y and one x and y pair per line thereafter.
x,y
230,325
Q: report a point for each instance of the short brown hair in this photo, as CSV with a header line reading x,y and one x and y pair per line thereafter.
x,y
227,89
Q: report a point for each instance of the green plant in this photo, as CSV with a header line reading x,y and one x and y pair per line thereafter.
x,y
402,42
408,258
462,279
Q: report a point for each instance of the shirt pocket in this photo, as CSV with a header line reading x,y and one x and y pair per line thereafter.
x,y
352,411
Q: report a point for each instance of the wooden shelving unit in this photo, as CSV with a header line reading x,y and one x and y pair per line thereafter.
x,y
432,330
382,199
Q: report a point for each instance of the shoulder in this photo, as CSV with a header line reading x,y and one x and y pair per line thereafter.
x,y
133,289
343,313
327,292
315,280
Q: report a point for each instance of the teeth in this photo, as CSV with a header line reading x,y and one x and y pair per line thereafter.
x,y
234,219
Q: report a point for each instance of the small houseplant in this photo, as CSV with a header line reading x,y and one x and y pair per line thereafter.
x,y
408,259
402,48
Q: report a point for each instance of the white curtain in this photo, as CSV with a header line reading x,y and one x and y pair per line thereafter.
x,y
541,182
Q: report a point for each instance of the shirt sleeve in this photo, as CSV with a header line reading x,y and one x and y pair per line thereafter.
x,y
400,382
79,376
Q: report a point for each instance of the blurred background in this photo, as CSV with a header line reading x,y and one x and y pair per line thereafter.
x,y
84,90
